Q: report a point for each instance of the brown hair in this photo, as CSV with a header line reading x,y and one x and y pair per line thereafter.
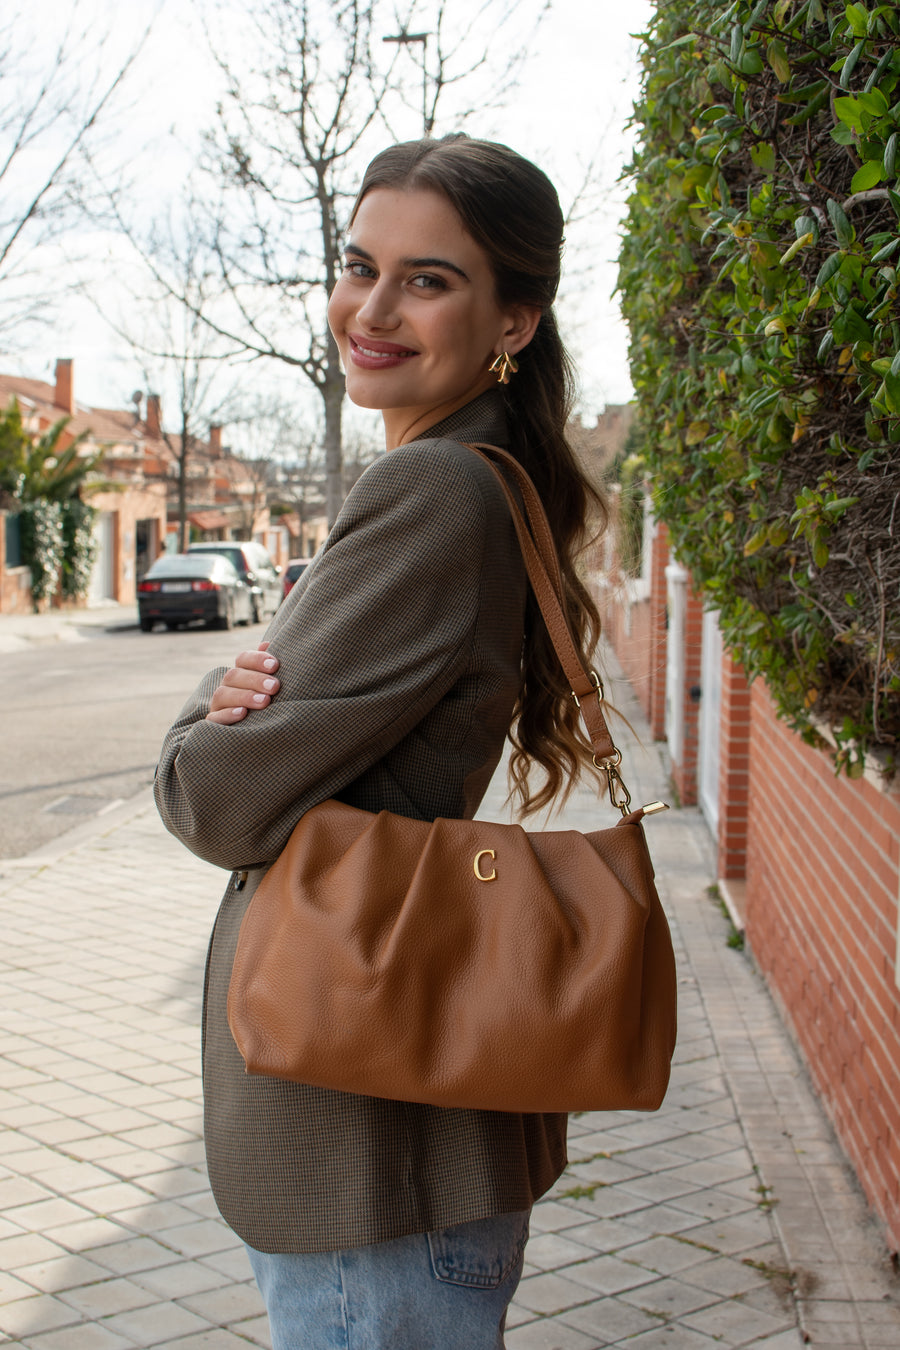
x,y
510,208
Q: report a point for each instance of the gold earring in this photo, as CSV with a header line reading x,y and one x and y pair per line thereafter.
x,y
505,365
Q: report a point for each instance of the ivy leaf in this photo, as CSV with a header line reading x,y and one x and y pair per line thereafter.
x,y
851,61
842,227
829,268
796,247
696,432
756,541
851,112
778,60
858,19
867,176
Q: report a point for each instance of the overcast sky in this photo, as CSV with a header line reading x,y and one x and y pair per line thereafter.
x,y
570,109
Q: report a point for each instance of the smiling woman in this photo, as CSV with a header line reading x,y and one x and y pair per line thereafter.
x,y
418,334
403,657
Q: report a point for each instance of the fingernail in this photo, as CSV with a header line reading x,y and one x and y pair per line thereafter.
x,y
260,698
269,684
271,663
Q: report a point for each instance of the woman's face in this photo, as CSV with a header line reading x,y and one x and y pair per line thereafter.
x,y
414,312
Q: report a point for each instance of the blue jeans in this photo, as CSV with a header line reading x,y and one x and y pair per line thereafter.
x,y
447,1290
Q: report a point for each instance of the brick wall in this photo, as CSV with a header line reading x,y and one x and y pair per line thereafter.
x,y
634,624
823,879
734,771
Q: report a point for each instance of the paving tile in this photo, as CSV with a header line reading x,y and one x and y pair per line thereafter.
x,y
669,1298
549,1334
673,1337
551,1293
103,1298
83,1337
127,1258
219,1338
664,1255
182,1279
609,1275
65,1272
41,1312
157,1323
730,1319
228,1304
611,1320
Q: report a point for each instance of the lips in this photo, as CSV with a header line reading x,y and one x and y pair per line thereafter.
x,y
370,354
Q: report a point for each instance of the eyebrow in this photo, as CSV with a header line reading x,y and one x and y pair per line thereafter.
x,y
411,262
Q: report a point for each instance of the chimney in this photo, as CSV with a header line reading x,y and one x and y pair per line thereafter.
x,y
65,386
152,419
215,441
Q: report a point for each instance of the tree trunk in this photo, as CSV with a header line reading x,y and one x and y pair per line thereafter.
x,y
332,391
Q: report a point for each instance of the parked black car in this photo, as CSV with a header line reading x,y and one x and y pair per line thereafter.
x,y
255,568
183,588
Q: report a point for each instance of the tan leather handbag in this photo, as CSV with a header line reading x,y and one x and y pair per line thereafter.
x,y
461,963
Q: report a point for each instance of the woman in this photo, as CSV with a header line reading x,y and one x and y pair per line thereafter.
x,y
400,670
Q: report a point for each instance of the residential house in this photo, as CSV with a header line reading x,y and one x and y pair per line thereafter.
x,y
131,516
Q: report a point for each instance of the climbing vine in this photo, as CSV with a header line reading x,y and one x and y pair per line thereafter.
x,y
759,278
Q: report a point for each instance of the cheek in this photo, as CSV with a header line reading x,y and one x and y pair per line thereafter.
x,y
337,308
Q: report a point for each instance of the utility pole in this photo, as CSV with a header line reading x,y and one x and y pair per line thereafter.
x,y
404,39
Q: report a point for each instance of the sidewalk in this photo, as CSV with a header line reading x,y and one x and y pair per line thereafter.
x,y
19,631
726,1219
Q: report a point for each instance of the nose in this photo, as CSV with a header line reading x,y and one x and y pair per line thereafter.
x,y
379,310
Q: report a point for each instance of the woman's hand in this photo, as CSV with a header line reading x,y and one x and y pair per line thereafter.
x,y
250,684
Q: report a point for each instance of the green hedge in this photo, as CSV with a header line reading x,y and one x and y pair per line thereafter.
x,y
758,275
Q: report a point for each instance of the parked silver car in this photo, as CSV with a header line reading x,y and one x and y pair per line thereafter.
x,y
255,568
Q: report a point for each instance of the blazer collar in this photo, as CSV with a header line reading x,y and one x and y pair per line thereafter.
x,y
484,419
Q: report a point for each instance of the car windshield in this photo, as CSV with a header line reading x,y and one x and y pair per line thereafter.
x,y
235,555
188,565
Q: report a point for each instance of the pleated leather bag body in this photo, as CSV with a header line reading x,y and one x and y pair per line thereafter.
x,y
462,963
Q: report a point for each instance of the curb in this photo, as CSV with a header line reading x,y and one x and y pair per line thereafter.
x,y
111,816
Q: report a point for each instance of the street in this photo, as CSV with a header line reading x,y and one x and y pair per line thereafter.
x,y
82,721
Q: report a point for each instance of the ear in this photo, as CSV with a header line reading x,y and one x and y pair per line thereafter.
x,y
522,321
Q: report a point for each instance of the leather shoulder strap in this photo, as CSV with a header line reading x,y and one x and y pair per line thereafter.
x,y
542,564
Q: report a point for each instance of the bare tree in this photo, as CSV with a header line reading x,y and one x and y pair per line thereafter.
x,y
273,436
55,100
294,128
177,349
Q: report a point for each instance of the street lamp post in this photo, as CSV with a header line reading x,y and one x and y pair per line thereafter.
x,y
404,39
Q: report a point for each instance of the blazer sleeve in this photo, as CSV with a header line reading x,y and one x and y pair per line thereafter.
x,y
378,633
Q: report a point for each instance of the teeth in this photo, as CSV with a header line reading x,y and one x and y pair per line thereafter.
x,y
367,351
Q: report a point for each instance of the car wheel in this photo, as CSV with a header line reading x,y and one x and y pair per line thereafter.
x,y
146,625
254,610
225,620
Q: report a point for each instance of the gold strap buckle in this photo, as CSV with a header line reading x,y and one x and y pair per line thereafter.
x,y
598,687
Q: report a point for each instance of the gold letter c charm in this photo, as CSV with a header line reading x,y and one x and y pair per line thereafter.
x,y
485,853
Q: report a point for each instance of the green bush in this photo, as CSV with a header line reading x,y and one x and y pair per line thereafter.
x,y
759,278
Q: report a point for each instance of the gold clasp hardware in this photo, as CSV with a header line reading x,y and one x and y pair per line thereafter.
x,y
476,865
598,686
618,792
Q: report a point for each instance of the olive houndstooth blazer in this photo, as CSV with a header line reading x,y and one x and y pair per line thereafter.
x,y
400,653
